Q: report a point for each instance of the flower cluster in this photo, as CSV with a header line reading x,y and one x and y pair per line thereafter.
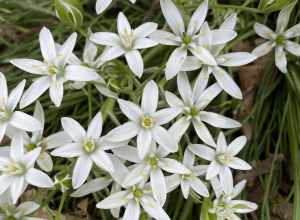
x,y
138,161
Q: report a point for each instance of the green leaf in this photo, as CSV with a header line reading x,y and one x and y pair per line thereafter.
x,y
269,6
69,12
205,214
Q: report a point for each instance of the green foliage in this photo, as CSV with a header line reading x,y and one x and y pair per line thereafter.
x,y
69,12
269,6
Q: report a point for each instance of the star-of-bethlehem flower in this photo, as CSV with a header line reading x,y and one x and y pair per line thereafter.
x,y
91,60
192,106
8,211
222,158
44,160
9,118
53,71
232,59
102,5
133,198
225,206
17,170
127,42
151,166
146,123
191,180
88,146
280,39
186,39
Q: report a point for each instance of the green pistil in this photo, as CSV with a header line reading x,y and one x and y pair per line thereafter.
x,y
223,158
147,122
153,161
15,168
53,70
187,39
31,146
138,193
280,39
194,111
89,145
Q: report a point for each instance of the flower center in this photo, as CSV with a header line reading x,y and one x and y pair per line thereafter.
x,y
194,111
31,146
14,168
224,158
153,161
127,39
138,193
147,122
89,145
280,39
52,70
187,39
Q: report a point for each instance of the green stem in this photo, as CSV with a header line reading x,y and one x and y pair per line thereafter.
x,y
61,205
90,102
237,7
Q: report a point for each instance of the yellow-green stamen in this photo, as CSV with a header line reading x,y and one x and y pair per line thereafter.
x,y
89,145
147,122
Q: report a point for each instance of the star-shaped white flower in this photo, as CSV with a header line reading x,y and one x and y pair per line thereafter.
x,y
127,42
222,158
191,180
53,71
146,123
152,166
44,160
225,206
280,39
102,5
88,146
9,118
17,170
186,39
192,106
133,198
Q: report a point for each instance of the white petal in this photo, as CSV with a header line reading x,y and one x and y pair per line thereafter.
x,y
65,51
185,88
36,89
95,126
150,98
131,110
73,128
120,170
207,95
188,158
30,157
3,127
144,139
227,83
135,62
153,208
199,170
81,171
115,200
218,120
164,138
3,88
280,59
293,32
185,188
105,38
213,170
191,63
293,48
239,164
56,92
39,113
203,54
123,132
6,181
17,147
165,38
173,166
172,16
175,62
198,18
227,180
27,208
47,45
264,31
246,206
25,122
101,5
229,22
283,17
127,153
238,188
123,24
17,188
178,129
199,187
144,30
45,162
158,186
203,132
201,82
102,160
80,73
68,150
143,43
202,151
222,36
111,53
89,52
221,142
91,187
58,139
235,59
136,175
38,178
172,182
30,66
237,145
263,49
166,115
173,100
132,211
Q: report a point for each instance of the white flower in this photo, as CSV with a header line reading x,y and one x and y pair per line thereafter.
x,y
233,59
44,160
132,198
191,180
146,123
102,5
186,39
17,170
280,39
151,166
20,212
88,146
222,158
9,118
192,105
90,60
127,43
53,70
225,206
